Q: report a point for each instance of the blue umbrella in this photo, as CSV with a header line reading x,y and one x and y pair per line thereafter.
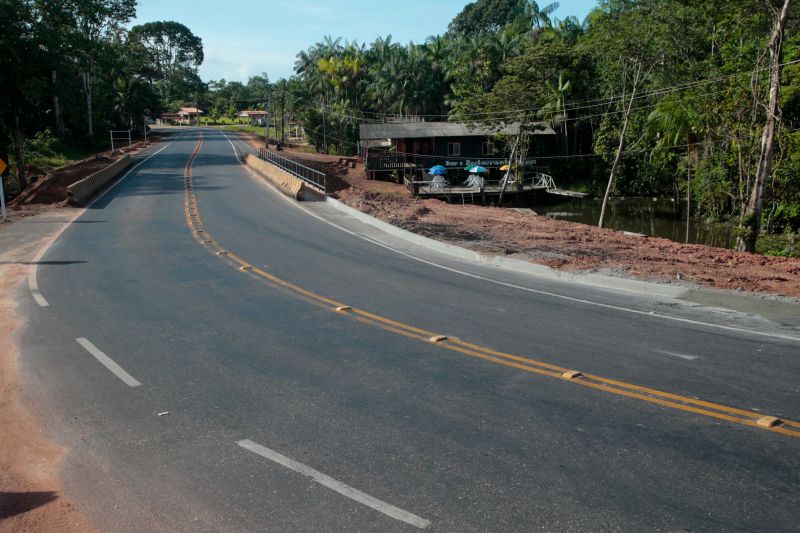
x,y
476,169
438,170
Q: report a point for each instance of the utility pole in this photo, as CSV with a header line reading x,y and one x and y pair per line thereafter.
x,y
87,89
269,119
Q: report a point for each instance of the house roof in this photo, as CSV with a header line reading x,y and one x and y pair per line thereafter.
x,y
253,113
189,110
441,129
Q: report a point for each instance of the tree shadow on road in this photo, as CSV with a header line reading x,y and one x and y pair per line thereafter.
x,y
14,503
55,263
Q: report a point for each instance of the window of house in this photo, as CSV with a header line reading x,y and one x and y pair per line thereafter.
x,y
487,148
454,149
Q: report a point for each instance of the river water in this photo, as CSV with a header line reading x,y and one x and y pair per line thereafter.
x,y
652,217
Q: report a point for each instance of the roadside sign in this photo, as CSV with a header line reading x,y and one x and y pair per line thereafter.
x,y
3,167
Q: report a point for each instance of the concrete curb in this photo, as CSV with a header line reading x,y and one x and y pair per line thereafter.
x,y
81,191
595,280
286,183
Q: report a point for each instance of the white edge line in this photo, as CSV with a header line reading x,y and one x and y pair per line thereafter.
x,y
336,486
235,152
33,283
40,299
680,355
109,363
298,205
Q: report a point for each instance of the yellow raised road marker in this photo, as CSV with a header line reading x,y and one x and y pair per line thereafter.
x,y
769,422
607,385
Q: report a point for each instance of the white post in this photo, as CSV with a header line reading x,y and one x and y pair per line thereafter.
x,y
111,133
3,200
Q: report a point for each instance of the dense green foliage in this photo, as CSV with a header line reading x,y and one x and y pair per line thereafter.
x,y
69,72
701,80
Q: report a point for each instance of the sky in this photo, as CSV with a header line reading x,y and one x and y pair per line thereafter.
x,y
242,38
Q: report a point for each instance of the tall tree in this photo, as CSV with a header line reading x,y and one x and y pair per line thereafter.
x,y
167,53
751,219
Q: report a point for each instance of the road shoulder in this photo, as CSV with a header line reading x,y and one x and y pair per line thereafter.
x,y
32,497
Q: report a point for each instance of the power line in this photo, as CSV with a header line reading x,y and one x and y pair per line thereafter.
x,y
589,103
336,112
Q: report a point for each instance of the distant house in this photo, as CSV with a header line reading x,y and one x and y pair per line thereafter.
x,y
414,146
188,115
168,118
255,116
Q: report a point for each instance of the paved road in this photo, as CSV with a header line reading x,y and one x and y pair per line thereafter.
x,y
287,416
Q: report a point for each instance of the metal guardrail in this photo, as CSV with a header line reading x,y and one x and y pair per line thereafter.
x,y
315,178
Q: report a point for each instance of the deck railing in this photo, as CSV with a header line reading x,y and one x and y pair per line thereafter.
x,y
315,178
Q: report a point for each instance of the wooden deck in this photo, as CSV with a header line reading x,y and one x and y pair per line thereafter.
x,y
490,190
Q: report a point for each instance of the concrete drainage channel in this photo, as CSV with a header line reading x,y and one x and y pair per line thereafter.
x,y
81,191
292,179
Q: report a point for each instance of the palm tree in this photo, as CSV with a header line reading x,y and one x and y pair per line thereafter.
x,y
673,123
539,17
130,98
556,109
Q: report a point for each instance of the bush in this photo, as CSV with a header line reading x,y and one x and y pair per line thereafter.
x,y
42,145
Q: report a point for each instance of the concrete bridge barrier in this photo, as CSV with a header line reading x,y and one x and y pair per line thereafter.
x,y
288,184
81,191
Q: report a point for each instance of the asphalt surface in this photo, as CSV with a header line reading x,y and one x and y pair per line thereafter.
x,y
461,443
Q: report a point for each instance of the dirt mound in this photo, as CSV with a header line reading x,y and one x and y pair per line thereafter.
x,y
52,188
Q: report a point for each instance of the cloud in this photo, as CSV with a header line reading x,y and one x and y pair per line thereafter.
x,y
238,62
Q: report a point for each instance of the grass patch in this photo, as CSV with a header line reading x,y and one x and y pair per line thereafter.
x,y
61,156
258,130
780,244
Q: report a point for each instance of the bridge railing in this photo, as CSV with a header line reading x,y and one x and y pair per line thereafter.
x,y
543,181
315,178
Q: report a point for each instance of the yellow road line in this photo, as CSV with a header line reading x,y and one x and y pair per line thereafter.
x,y
612,386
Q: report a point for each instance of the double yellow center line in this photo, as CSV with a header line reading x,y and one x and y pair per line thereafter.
x,y
621,388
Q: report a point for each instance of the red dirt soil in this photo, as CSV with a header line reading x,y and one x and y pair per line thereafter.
x,y
30,492
558,244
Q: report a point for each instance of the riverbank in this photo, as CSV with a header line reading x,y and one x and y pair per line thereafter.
x,y
559,244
